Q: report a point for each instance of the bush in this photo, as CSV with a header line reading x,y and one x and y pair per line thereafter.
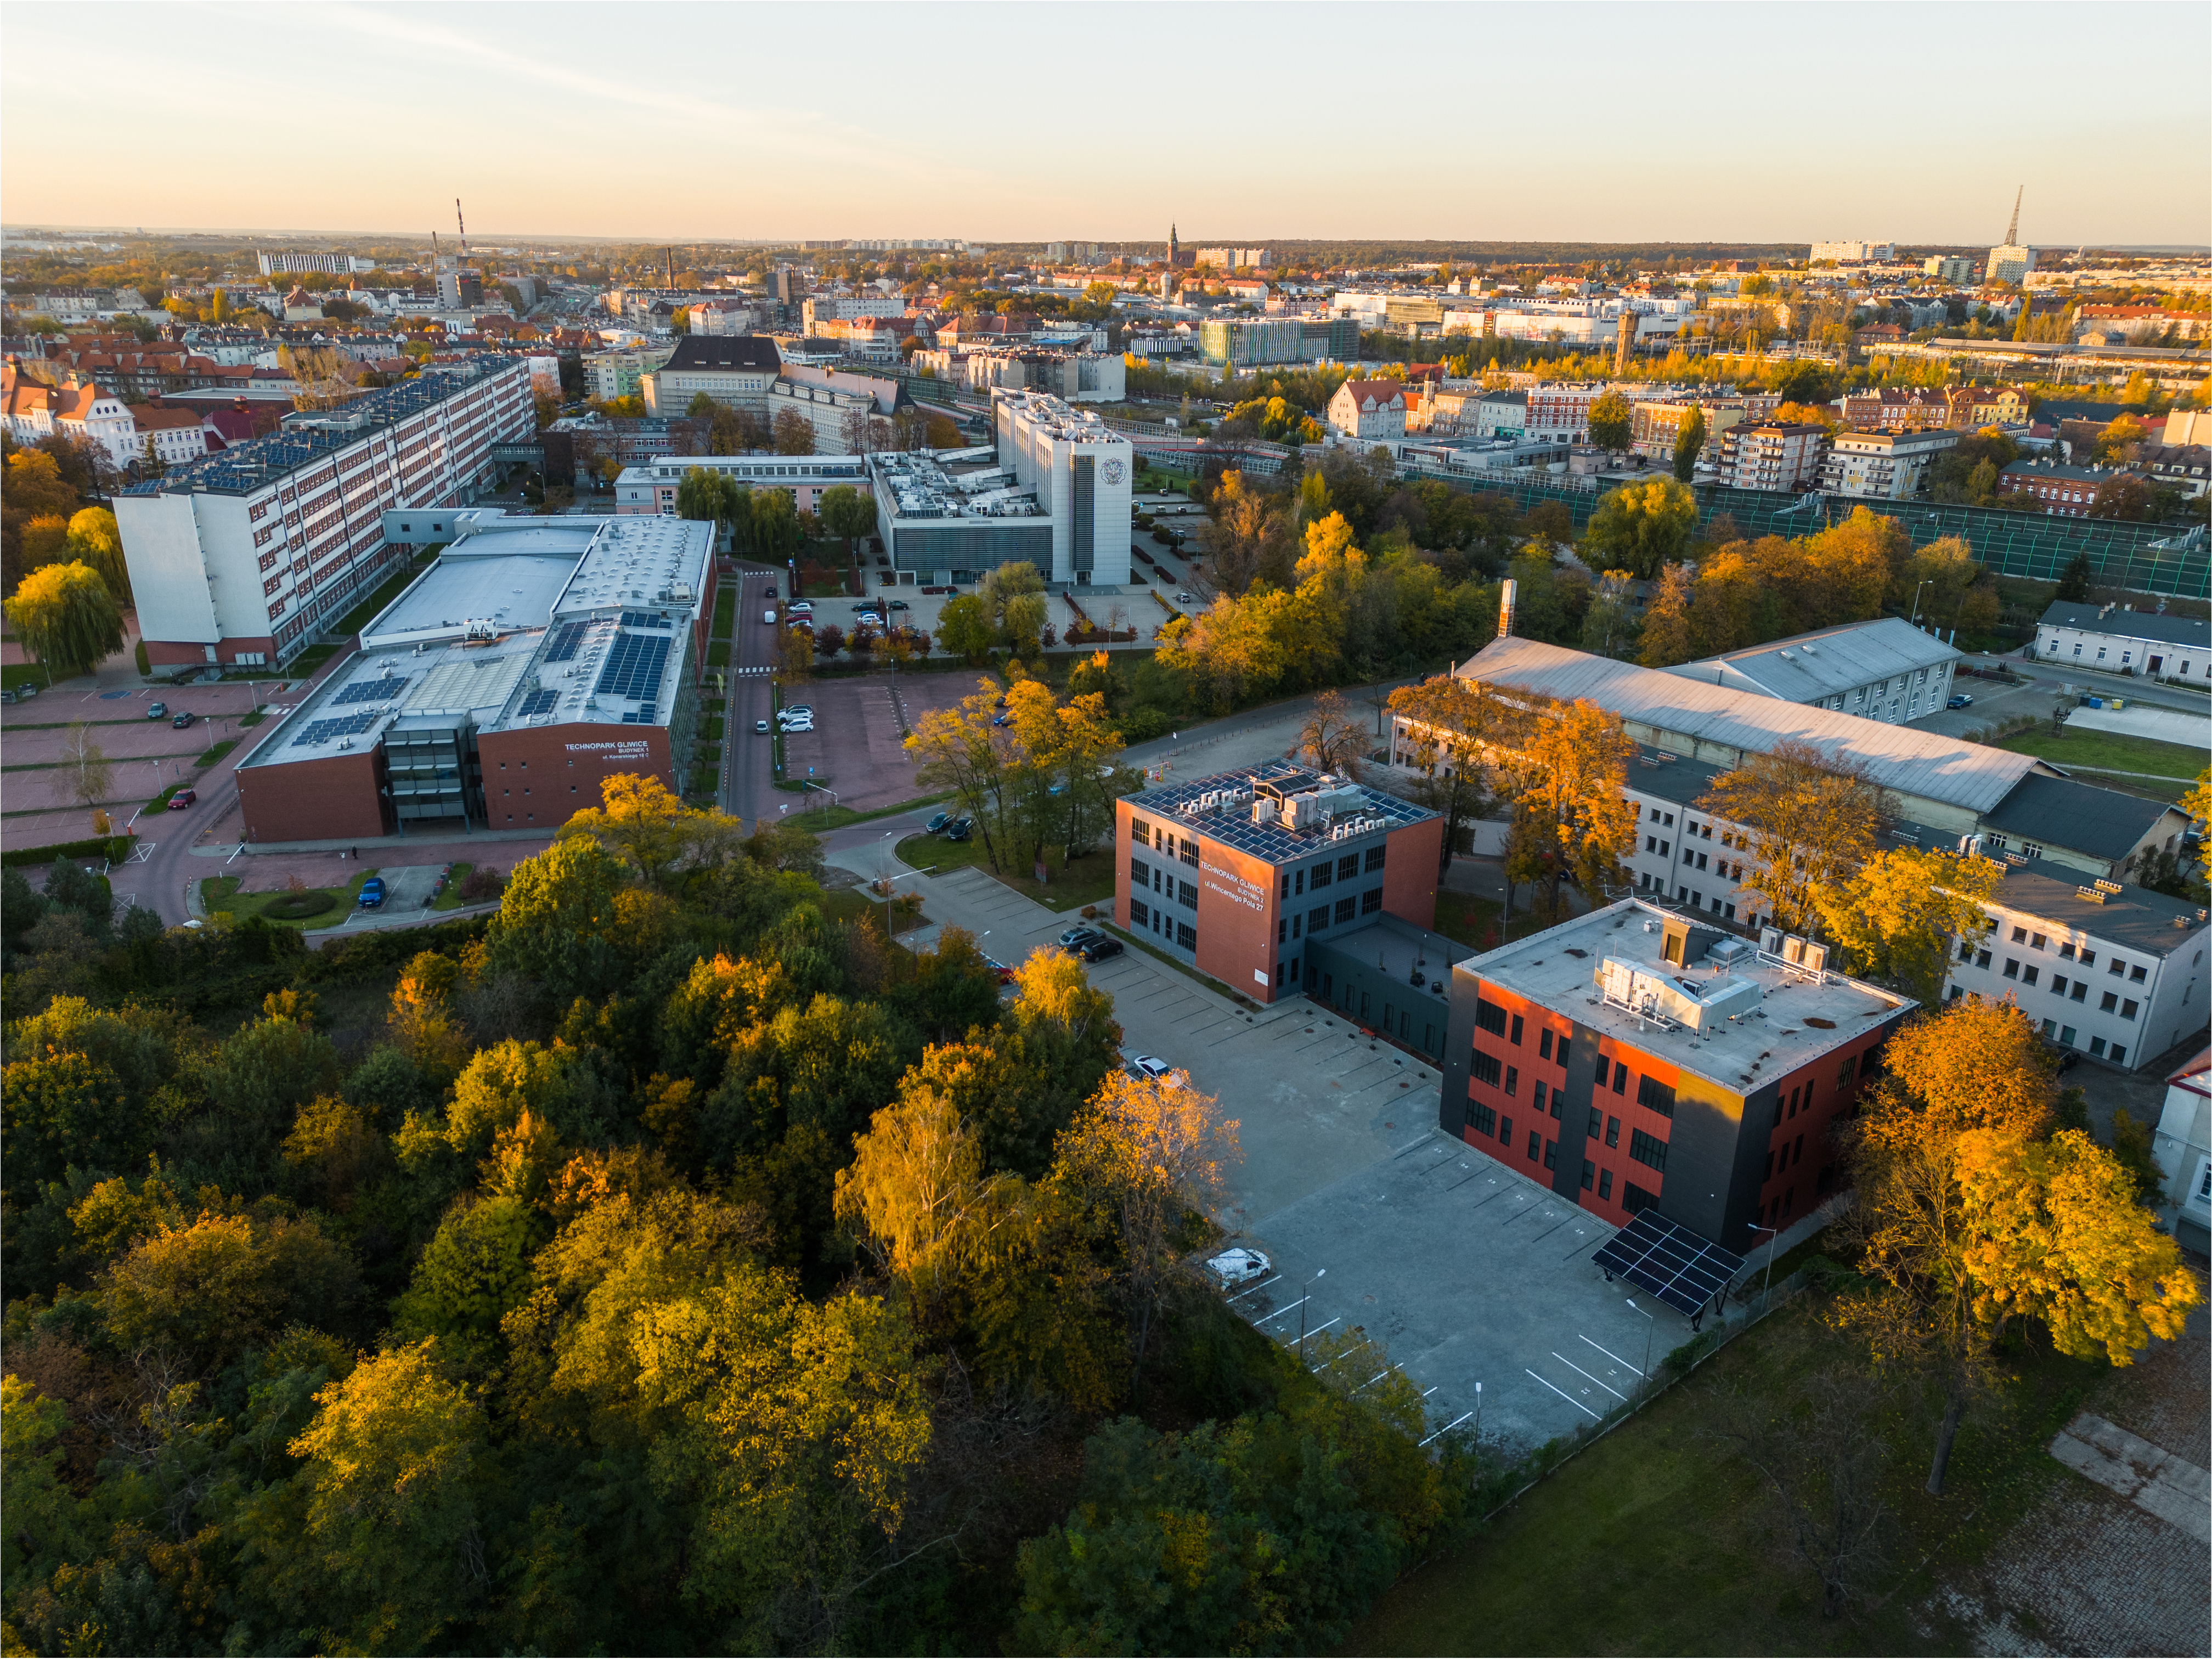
x,y
145,663
293,906
482,884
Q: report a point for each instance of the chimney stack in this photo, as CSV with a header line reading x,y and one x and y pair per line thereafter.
x,y
1505,596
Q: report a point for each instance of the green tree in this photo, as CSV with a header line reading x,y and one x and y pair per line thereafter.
x,y
2074,581
1897,915
846,513
1815,820
793,433
95,540
1666,639
1610,421
1641,527
66,618
558,926
776,536
1689,445
964,627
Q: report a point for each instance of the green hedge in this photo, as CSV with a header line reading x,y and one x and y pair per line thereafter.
x,y
112,847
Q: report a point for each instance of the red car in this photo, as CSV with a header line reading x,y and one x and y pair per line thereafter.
x,y
183,798
1006,973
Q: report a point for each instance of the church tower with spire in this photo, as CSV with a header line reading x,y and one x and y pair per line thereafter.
x,y
1175,250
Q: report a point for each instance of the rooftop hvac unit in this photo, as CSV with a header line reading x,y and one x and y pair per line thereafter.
x,y
1769,940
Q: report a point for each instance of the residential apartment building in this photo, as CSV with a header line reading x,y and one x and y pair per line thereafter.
x,y
1949,268
1233,259
1854,253
1561,411
1894,408
1634,1060
2184,467
722,316
236,558
610,375
1974,407
2121,640
845,308
1778,455
1369,410
329,264
2062,491
2008,263
1077,376
1246,876
76,409
1883,465
167,437
1655,425
2113,972
1885,670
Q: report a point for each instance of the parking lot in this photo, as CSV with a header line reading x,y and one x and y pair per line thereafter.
x,y
1465,1269
857,747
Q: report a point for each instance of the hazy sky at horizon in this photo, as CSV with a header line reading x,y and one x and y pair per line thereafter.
x,y
1585,122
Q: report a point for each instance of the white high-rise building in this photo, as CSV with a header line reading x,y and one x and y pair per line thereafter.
x,y
1080,470
241,558
1854,253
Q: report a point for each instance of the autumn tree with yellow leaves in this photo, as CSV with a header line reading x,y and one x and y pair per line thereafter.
x,y
1970,1215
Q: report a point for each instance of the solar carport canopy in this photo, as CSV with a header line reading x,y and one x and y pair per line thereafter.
x,y
1683,1270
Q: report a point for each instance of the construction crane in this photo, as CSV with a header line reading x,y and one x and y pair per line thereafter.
x,y
2012,230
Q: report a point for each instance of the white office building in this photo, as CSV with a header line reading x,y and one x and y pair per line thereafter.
x,y
2115,639
2183,1147
1885,670
238,559
1882,465
2113,972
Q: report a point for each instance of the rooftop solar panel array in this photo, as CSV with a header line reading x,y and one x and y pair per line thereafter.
x,y
1274,842
1676,1265
645,619
634,667
539,703
344,725
382,688
566,639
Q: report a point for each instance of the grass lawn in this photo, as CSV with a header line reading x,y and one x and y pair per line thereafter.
x,y
23,673
219,893
252,717
726,612
449,896
820,820
852,903
216,752
2111,752
1474,922
1658,1540
1088,880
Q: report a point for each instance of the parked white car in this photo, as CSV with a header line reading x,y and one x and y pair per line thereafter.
x,y
1239,1266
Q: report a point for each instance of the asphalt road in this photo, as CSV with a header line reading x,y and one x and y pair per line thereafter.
x,y
748,785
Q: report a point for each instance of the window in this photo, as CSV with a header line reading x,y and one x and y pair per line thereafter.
x,y
1647,1149
1505,1131
1489,1017
1544,1043
1655,1095
2011,967
2111,1001
1597,1124
1483,1119
1187,895
2027,975
1346,910
1551,1151
1370,902
1512,1079
1186,936
2089,958
2128,1009
1516,1038
1535,1146
2117,966
1375,855
1589,1174
2066,952
1321,877
1140,872
1611,1130
2081,990
1982,959
1317,920
1140,832
2097,1047
2019,936
1620,1077
1190,852
1484,1069
1605,1183
2118,1055
2135,974
2058,985
2038,942
1347,867
2066,1035
1139,915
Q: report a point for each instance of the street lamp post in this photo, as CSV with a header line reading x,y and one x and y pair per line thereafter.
x,y
1650,1324
1303,1294
1774,1237
1916,603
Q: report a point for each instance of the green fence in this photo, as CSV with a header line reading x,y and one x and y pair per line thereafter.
x,y
2011,543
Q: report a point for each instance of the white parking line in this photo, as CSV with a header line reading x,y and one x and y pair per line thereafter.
x,y
1579,1372
1609,1353
1261,1285
1563,1394
1278,1313
1317,1331
1461,1419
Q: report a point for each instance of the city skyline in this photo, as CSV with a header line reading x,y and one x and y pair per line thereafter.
x,y
430,106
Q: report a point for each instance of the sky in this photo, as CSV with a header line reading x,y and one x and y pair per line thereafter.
x,y
1514,121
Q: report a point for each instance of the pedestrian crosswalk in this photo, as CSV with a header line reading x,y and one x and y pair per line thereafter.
x,y
759,668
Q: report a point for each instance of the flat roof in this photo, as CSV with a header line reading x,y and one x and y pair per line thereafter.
x,y
1767,1033
374,692
513,588
1219,808
2156,924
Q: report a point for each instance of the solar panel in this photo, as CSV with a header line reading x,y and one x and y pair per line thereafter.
x,y
539,702
634,667
566,638
645,619
1676,1265
383,689
344,725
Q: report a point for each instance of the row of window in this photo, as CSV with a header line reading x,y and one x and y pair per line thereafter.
x,y
1144,878
1142,916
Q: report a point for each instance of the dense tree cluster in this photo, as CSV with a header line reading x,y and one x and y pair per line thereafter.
x,y
669,1263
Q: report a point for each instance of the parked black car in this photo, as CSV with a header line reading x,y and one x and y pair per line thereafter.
x,y
937,823
1097,949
